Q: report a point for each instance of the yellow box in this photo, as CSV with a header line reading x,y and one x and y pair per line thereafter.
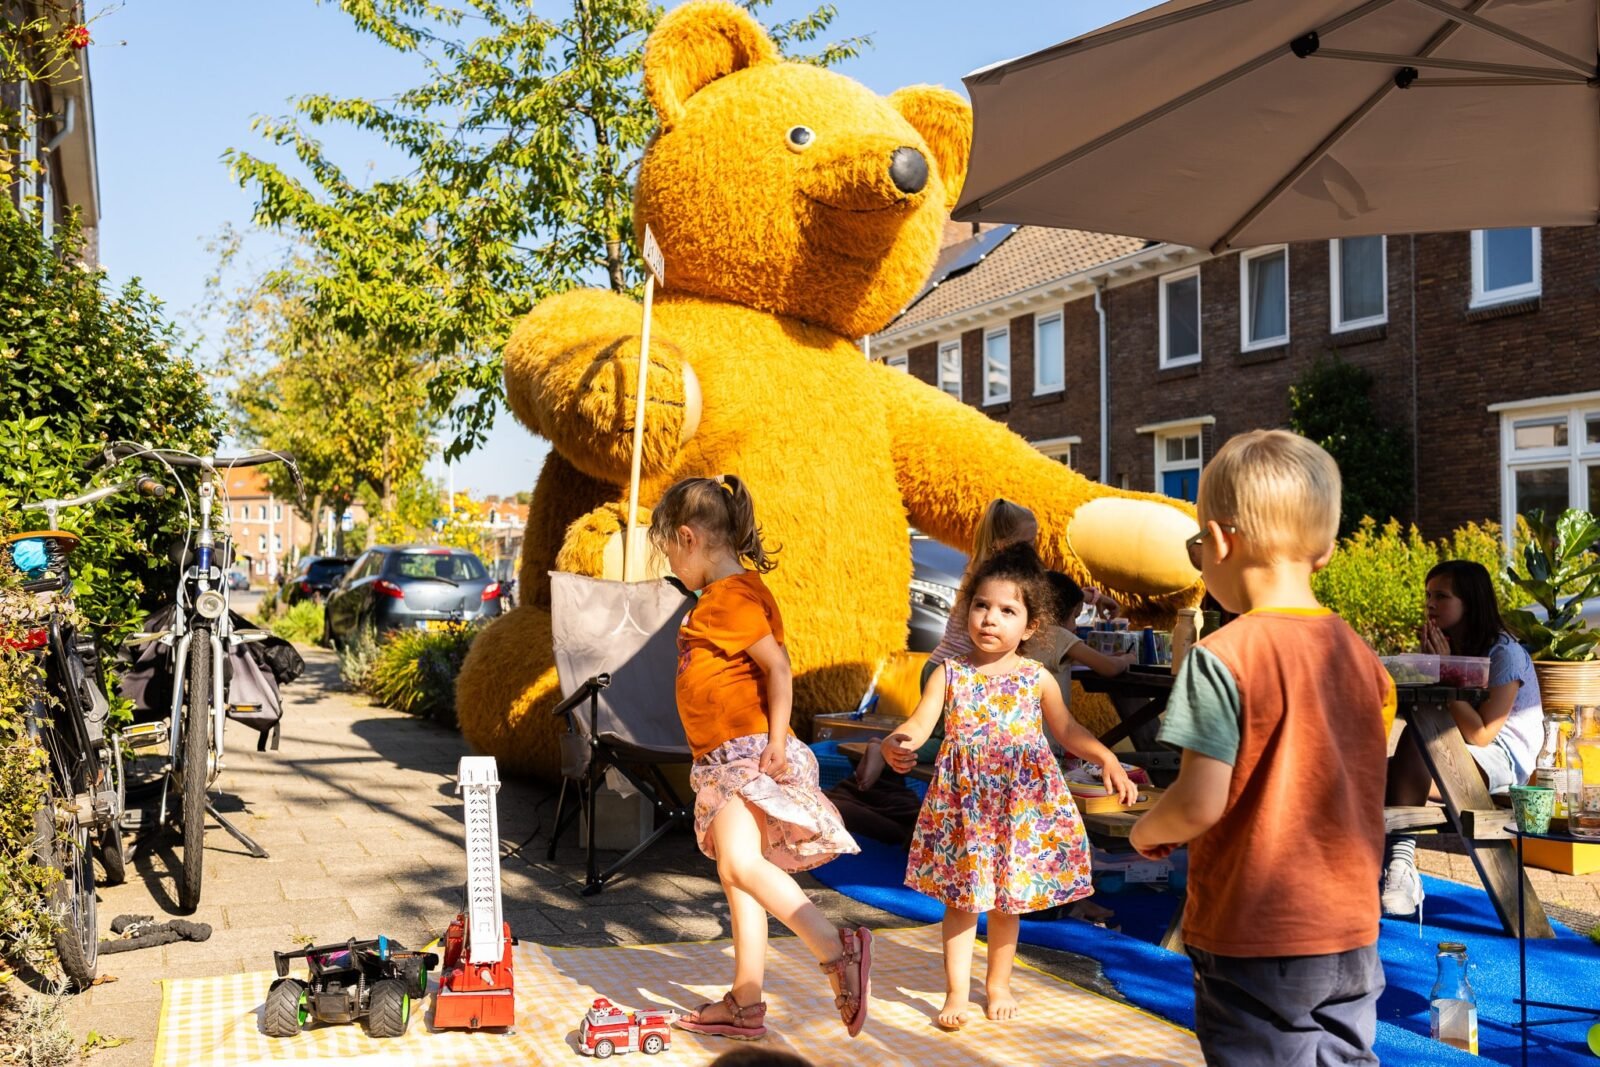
x,y
1563,856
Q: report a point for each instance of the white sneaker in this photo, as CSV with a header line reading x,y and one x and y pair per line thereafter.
x,y
1402,890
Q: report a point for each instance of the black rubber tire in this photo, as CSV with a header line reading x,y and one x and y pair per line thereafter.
x,y
284,1014
652,1044
113,854
390,1010
415,975
195,770
77,940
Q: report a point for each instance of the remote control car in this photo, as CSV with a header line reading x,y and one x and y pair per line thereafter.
x,y
607,1029
378,979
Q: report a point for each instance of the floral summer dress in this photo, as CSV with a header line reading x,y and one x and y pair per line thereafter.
x,y
998,830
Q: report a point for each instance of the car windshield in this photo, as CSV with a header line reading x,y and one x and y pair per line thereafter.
x,y
453,566
327,569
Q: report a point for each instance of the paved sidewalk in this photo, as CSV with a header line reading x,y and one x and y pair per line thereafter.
x,y
359,814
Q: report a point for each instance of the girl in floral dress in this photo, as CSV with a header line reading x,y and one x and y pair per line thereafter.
x,y
998,833
759,812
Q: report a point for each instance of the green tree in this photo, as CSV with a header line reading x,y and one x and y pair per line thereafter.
x,y
1332,405
523,140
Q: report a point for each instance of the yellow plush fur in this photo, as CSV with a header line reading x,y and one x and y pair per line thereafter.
x,y
779,256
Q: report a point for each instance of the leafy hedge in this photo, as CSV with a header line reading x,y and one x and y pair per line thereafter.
x,y
415,671
1376,577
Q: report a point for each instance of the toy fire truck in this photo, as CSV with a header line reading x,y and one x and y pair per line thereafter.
x,y
475,987
607,1029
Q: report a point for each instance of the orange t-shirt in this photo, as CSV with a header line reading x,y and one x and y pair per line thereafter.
x,y
722,693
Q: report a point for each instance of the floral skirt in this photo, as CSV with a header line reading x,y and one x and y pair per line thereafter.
x,y
801,827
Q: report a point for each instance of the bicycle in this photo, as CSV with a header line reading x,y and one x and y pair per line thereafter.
x,y
68,718
200,637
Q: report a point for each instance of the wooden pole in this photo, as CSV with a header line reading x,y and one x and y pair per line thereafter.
x,y
638,433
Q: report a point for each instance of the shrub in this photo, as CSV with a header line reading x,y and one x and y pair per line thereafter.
x,y
301,623
1376,577
34,1031
1332,405
356,657
415,671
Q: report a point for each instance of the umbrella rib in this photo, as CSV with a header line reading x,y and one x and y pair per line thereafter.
x,y
1000,71
1045,169
1471,66
1455,14
1436,42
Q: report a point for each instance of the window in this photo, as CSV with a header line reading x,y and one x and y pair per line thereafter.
x,y
261,543
1264,298
1358,282
997,366
1550,457
277,513
1049,355
1505,265
1178,464
1060,449
277,542
898,363
1180,318
261,512
244,511
950,368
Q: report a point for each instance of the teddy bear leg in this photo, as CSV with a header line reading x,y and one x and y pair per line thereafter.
x,y
505,693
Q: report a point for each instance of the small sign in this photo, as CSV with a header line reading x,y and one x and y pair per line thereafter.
x,y
652,257
347,521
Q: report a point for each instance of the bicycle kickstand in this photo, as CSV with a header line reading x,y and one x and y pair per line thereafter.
x,y
237,834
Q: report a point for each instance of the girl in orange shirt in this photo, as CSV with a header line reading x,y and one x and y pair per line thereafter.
x,y
759,812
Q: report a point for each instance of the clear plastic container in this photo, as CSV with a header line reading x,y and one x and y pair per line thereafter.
x,y
1464,672
1413,668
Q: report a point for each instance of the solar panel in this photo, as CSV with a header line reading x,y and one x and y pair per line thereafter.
x,y
966,255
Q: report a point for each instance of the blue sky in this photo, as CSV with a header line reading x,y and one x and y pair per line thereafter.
x,y
177,83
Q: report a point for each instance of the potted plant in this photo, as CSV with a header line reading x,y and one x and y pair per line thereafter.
x,y
1559,570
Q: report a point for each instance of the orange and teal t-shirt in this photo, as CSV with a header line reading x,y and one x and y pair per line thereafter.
x,y
722,692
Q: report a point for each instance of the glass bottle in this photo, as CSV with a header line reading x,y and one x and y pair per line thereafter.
x,y
1574,780
1549,768
1584,800
1452,1005
1185,632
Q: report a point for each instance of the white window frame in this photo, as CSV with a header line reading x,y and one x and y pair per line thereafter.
x,y
1039,389
277,513
1061,449
1336,322
1163,431
1578,456
1482,297
990,335
261,513
1166,281
898,362
1245,258
948,348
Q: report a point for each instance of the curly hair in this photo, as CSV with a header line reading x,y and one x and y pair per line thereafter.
x,y
1020,565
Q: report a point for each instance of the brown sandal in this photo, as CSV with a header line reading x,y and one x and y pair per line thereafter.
x,y
857,953
749,1022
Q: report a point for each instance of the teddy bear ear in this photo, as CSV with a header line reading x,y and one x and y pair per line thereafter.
x,y
944,120
693,46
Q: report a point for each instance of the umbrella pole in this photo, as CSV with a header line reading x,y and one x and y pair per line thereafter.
x,y
638,432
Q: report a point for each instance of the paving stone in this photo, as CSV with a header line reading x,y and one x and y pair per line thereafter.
x,y
323,912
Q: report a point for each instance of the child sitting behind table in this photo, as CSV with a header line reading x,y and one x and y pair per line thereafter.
x,y
1059,647
1281,718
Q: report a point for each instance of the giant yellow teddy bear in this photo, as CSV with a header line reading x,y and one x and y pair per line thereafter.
x,y
797,212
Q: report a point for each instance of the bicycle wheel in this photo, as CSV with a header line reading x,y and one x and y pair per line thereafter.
x,y
113,856
77,938
194,769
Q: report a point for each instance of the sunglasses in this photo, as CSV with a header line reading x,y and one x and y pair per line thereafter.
x,y
1193,544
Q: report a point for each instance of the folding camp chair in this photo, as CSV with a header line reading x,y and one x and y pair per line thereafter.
x,y
616,658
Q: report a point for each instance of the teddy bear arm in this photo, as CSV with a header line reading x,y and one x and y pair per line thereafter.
x,y
951,461
571,371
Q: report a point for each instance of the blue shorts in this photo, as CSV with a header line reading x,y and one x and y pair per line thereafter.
x,y
1494,759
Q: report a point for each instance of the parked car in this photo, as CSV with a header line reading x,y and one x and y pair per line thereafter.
x,y
936,571
238,580
394,587
313,580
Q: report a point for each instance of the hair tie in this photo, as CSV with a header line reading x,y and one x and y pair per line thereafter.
x,y
725,486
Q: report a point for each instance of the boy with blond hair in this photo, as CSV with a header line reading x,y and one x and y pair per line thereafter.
x,y
1282,717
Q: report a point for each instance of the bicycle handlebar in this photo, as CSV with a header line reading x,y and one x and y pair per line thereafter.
x,y
122,450
144,486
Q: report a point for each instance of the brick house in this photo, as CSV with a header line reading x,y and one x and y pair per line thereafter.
x,y
1132,361
57,119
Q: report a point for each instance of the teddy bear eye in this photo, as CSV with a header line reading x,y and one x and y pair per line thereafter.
x,y
800,138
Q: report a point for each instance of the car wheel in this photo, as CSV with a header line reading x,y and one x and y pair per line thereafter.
x,y
390,1010
653,1044
603,1050
286,1010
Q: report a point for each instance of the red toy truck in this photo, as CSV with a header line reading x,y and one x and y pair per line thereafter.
x,y
607,1029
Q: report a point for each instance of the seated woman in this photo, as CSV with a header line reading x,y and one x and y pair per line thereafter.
x,y
1503,733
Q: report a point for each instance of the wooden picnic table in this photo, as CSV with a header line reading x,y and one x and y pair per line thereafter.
x,y
1139,695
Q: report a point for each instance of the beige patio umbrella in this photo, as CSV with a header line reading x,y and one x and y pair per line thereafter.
x,y
1230,123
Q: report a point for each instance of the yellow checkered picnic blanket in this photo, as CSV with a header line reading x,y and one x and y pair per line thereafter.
x,y
217,1021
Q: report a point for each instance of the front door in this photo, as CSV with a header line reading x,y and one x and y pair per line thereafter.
x,y
1182,484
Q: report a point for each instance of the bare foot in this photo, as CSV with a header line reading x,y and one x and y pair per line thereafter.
x,y
953,1016
1002,1005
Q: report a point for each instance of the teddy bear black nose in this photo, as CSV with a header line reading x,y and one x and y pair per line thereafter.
x,y
908,170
